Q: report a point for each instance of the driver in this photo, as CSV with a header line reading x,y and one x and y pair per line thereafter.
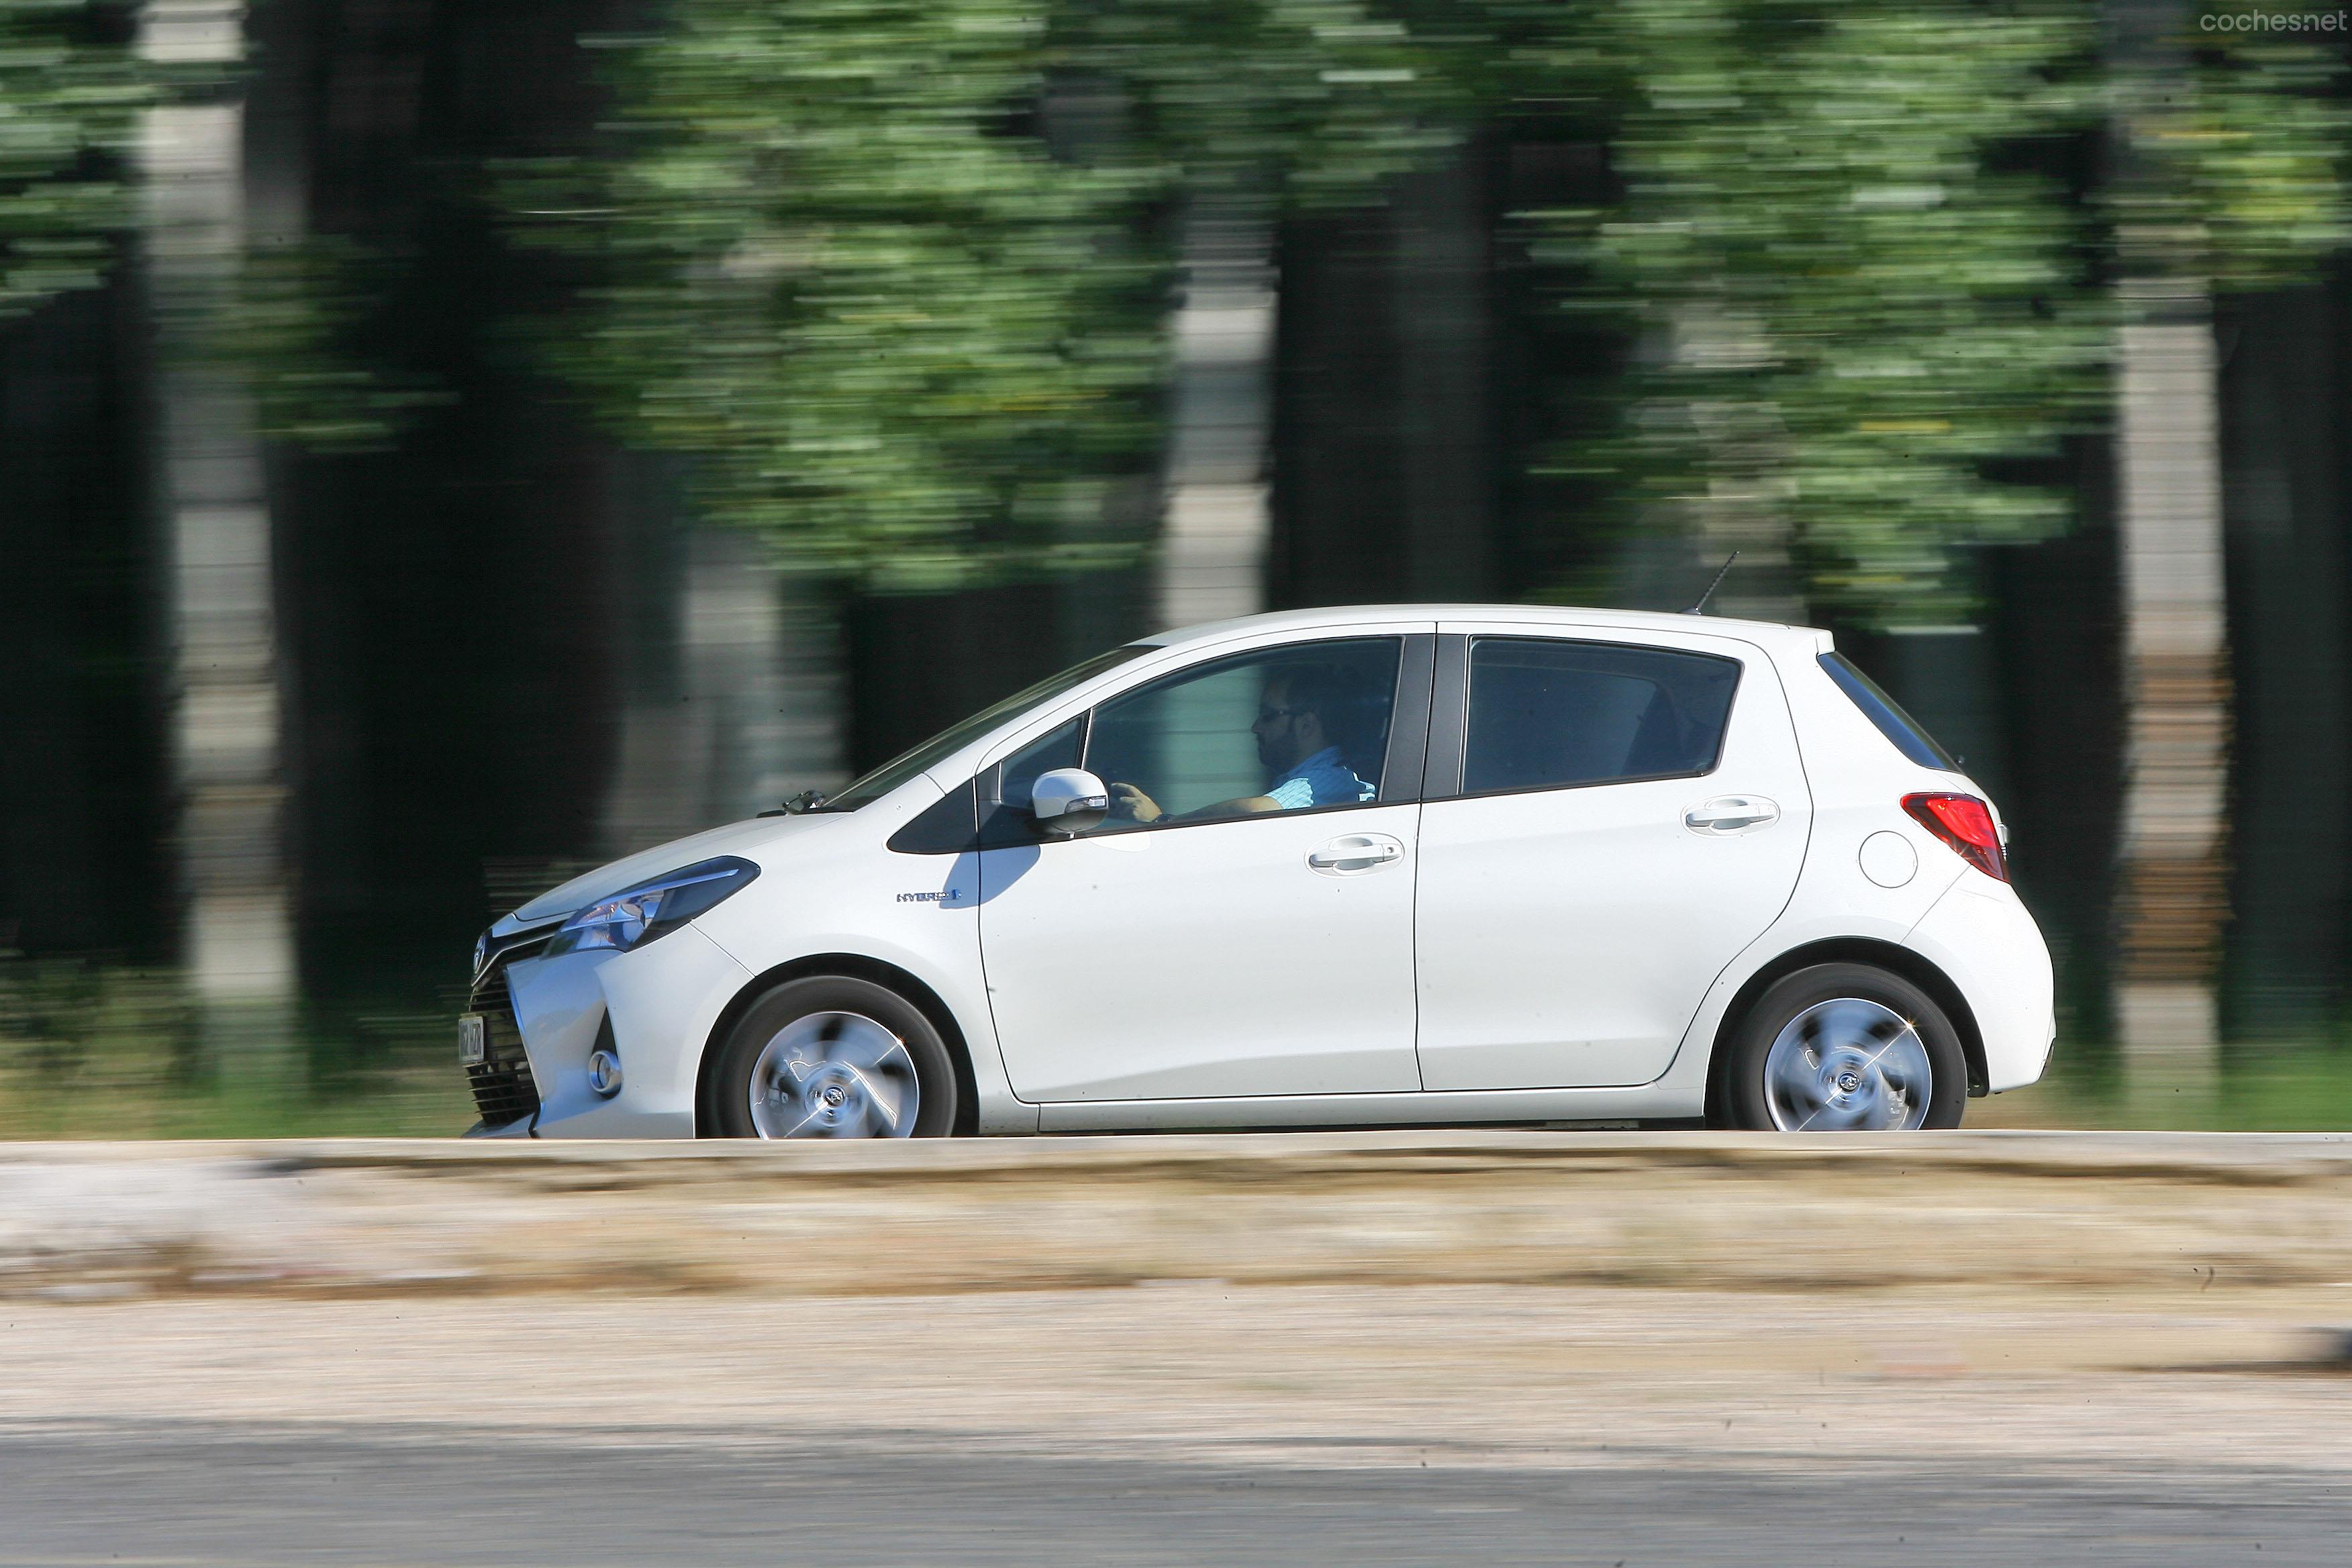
x,y
1297,729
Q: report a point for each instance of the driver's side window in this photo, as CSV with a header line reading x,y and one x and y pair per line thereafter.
x,y
1291,727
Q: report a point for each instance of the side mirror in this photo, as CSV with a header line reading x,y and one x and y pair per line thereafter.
x,y
1069,801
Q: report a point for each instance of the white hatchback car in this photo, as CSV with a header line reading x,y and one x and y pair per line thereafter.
x,y
1327,867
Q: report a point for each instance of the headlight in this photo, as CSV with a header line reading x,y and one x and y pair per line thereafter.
x,y
636,916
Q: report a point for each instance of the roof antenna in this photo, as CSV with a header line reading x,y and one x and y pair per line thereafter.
x,y
1700,608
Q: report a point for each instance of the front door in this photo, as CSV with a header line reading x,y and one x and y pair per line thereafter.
x,y
1242,925
1628,817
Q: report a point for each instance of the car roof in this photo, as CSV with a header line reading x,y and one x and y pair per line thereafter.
x,y
1336,617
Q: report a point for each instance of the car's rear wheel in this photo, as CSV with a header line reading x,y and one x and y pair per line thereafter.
x,y
1843,1048
831,1056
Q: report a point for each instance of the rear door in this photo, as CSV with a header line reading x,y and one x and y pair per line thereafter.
x,y
1611,819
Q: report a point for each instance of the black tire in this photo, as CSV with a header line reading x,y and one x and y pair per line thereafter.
x,y
1741,1099
725,1111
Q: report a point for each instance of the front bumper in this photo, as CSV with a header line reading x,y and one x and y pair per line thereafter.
x,y
655,1006
504,1093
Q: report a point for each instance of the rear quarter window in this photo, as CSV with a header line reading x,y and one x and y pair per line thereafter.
x,y
1553,714
1909,736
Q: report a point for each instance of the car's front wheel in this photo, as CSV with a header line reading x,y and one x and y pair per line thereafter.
x,y
1843,1048
831,1056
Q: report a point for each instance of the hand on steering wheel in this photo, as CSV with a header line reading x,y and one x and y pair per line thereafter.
x,y
1131,803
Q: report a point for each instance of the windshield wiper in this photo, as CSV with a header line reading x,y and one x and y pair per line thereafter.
x,y
801,804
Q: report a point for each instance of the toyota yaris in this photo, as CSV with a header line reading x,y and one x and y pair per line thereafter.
x,y
1416,865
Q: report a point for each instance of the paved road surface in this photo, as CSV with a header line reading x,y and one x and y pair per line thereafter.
x,y
1352,1351
230,1495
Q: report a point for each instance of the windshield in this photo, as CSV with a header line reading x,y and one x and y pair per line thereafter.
x,y
923,758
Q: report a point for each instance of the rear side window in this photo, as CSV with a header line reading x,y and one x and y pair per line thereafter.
x,y
1545,714
1909,737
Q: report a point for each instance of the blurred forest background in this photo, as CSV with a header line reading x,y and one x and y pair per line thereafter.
x,y
445,445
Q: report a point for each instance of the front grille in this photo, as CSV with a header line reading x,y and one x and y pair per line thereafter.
x,y
504,1090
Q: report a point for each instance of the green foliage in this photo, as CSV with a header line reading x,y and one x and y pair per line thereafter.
x,y
897,272
1847,304
2280,1086
1309,100
890,326
70,94
302,322
76,1035
2233,142
91,1050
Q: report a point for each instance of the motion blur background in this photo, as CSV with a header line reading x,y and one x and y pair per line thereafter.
x,y
445,444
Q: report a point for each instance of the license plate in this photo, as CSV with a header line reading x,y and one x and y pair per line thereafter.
x,y
472,1040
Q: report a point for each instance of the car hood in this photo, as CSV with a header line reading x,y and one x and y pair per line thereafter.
x,y
748,839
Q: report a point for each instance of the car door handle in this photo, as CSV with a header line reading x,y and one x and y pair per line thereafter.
x,y
1354,853
1732,814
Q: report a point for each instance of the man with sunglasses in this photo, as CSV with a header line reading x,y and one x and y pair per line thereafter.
x,y
1301,726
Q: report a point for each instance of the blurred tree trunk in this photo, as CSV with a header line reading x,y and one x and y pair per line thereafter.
x,y
2283,491
508,653
2054,620
1212,551
2171,900
83,861
238,942
737,708
1386,432
470,597
1338,468
1441,298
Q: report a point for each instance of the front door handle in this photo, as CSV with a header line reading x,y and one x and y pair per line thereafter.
x,y
1355,853
1732,814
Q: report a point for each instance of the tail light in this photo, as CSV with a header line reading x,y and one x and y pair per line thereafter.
x,y
1965,823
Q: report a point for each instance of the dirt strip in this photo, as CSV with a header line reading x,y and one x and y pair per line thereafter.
x,y
1340,1374
2071,1213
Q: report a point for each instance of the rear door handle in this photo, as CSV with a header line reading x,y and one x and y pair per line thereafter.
x,y
1355,853
1732,814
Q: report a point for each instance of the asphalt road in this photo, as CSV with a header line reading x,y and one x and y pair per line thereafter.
x,y
187,1495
